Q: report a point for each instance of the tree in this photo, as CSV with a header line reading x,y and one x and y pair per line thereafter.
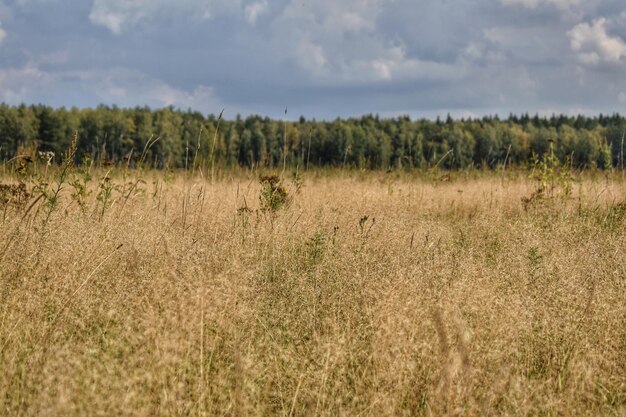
x,y
169,149
461,143
487,146
174,138
232,146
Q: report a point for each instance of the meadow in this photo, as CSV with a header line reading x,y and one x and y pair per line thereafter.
x,y
320,293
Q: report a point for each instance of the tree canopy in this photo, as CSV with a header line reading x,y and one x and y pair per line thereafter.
x,y
170,137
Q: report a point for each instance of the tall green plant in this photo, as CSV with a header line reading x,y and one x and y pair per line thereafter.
x,y
51,192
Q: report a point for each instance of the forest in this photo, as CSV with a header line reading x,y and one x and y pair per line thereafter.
x,y
174,138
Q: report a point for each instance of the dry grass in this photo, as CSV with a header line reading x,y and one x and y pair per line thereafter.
x,y
368,295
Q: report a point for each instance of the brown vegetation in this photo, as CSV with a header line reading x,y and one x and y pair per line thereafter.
x,y
151,294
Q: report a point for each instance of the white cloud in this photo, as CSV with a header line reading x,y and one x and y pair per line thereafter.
x,y
593,44
474,51
338,17
3,33
533,4
130,87
622,97
121,86
341,43
309,56
118,15
479,53
392,64
36,2
254,10
510,37
16,84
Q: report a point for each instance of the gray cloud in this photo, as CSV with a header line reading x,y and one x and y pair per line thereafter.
x,y
567,5
118,15
321,58
593,44
254,10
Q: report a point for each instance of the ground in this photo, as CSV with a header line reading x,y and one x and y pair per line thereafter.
x,y
326,293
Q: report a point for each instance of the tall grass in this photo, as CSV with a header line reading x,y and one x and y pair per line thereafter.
x,y
367,295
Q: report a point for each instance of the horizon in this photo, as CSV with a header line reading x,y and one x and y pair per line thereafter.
x,y
296,118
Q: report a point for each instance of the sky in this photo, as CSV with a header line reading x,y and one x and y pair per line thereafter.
x,y
320,59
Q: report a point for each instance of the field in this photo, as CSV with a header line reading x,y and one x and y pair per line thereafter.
x,y
328,293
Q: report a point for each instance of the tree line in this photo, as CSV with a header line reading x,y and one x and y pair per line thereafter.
x,y
172,138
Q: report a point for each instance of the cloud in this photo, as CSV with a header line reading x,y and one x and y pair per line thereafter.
x,y
3,33
323,58
120,86
254,10
593,44
118,15
129,87
341,43
16,84
392,64
534,4
621,97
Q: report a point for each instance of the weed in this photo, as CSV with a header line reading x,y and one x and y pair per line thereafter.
x,y
22,164
535,261
364,229
47,158
80,184
13,194
105,192
613,217
298,182
273,194
51,193
316,247
550,177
